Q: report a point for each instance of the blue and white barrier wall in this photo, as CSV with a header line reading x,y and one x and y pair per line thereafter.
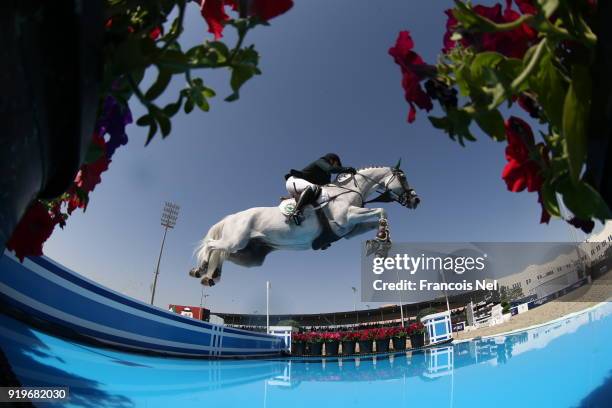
x,y
45,292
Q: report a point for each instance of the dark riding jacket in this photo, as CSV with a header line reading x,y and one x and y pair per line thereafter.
x,y
318,172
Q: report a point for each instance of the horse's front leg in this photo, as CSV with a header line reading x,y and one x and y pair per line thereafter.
x,y
360,215
366,216
362,229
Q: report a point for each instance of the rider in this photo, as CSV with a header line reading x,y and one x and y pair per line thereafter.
x,y
304,185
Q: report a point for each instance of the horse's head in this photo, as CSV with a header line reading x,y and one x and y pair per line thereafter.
x,y
399,189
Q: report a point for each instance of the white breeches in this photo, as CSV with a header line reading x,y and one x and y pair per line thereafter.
x,y
296,185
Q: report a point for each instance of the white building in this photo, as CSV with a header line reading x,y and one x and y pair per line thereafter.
x,y
563,271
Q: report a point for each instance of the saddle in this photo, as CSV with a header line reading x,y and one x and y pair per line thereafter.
x,y
327,235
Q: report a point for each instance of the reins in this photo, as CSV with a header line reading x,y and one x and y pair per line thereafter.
x,y
387,195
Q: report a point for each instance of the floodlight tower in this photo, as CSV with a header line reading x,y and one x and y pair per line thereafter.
x,y
168,220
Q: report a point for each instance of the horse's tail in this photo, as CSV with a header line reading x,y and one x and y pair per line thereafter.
x,y
215,232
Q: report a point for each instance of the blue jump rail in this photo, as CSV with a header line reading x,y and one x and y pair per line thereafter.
x,y
47,294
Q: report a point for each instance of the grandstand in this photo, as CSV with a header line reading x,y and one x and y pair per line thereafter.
x,y
388,315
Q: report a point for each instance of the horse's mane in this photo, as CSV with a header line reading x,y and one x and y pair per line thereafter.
x,y
372,167
340,184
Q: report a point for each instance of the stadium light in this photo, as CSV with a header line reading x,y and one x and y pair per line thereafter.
x,y
168,220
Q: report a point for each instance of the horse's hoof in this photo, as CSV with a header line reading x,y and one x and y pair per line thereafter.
x,y
199,271
207,282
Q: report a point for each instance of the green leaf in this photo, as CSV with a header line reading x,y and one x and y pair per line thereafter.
x,y
583,200
188,105
164,124
465,15
174,61
550,88
129,56
162,120
219,47
203,105
549,199
483,62
575,119
144,120
492,123
152,131
548,6
208,93
160,85
240,74
456,123
172,108
439,123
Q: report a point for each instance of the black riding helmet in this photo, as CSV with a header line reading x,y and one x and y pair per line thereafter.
x,y
329,157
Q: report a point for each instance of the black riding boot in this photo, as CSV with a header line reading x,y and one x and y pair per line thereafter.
x,y
308,196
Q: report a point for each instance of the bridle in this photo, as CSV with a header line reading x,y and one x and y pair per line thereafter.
x,y
385,194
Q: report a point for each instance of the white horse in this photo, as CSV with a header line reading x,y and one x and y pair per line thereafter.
x,y
246,237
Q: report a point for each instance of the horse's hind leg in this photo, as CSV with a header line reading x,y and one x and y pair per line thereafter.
x,y
202,267
221,249
214,268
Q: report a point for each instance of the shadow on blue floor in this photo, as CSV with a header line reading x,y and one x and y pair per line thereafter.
x,y
601,397
36,365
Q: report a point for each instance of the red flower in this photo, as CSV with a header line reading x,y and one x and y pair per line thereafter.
x,y
213,11
415,328
331,336
32,231
89,175
530,105
512,43
526,6
521,171
414,71
155,33
451,24
268,9
365,335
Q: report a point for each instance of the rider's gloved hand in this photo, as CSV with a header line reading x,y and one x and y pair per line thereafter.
x,y
350,170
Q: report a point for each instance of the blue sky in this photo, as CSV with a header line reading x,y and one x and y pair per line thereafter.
x,y
328,84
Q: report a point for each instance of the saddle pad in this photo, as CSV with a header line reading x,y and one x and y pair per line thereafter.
x,y
286,207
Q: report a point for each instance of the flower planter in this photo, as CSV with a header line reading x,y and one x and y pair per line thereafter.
x,y
417,340
331,348
348,347
49,99
382,345
299,348
365,346
316,349
399,343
